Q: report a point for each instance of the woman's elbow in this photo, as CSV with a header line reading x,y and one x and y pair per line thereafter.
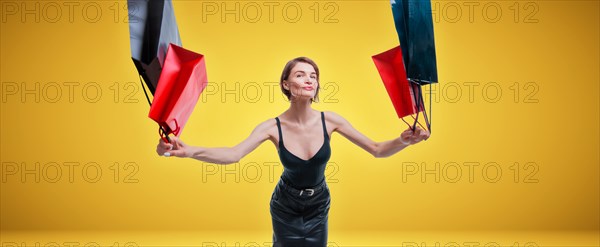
x,y
375,150
378,154
224,156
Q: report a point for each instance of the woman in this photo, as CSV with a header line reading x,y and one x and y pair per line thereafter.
x,y
300,202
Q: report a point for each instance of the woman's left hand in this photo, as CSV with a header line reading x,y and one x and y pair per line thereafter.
x,y
410,137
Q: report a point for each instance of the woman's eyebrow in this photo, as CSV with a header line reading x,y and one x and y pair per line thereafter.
x,y
300,71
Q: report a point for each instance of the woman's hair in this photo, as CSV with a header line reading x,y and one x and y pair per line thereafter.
x,y
288,69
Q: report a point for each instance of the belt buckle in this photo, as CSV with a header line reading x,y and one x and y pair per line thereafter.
x,y
310,191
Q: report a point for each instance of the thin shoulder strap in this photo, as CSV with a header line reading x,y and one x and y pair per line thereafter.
x,y
324,126
279,129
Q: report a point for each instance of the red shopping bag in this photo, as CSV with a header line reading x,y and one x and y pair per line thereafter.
x,y
182,80
405,95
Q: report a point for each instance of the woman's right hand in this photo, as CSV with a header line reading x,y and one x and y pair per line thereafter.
x,y
176,148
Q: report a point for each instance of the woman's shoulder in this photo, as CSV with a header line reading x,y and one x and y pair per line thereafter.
x,y
267,128
334,120
333,116
267,124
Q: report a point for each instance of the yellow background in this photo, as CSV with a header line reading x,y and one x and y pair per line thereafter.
x,y
549,126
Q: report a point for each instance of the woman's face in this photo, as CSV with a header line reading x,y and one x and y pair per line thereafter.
x,y
302,82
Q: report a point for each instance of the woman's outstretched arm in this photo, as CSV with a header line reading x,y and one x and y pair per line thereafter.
x,y
221,155
377,149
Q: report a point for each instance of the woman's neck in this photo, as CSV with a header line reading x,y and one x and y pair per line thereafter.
x,y
300,112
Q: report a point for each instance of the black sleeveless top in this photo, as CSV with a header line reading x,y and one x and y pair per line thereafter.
x,y
301,173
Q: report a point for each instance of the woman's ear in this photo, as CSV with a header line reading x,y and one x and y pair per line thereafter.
x,y
285,85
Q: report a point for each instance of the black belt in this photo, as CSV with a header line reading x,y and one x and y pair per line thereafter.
x,y
306,191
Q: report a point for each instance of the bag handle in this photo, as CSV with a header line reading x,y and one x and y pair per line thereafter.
x,y
165,134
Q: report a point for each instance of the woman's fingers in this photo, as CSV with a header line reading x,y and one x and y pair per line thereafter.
x,y
413,137
175,148
406,134
418,132
425,135
173,139
163,147
176,142
420,135
175,153
167,146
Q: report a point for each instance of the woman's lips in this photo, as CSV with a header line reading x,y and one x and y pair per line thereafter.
x,y
308,88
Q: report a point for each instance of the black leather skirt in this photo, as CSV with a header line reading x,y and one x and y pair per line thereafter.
x,y
300,216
